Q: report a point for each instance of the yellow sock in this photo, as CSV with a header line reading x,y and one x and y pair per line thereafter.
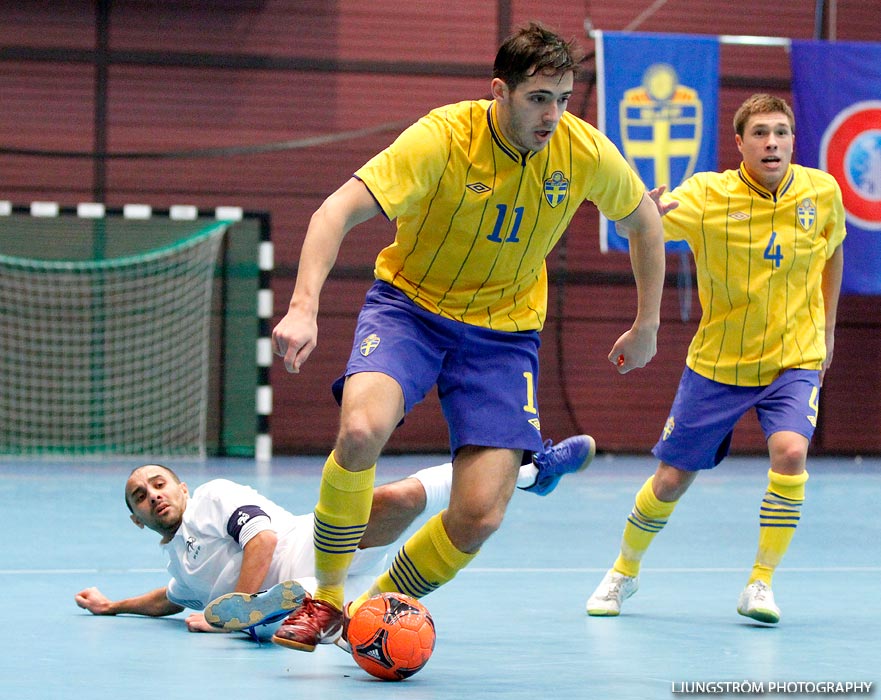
x,y
341,515
647,519
426,561
778,518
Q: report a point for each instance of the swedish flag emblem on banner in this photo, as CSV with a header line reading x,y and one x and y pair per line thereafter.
x,y
658,96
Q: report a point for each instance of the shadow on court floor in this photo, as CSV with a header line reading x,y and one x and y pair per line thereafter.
x,y
510,626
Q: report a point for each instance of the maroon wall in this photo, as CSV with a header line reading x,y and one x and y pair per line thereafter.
x,y
174,77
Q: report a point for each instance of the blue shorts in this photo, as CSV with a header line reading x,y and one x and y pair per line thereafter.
x,y
487,380
698,432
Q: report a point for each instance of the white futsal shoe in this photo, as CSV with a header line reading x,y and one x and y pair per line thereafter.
x,y
613,590
757,601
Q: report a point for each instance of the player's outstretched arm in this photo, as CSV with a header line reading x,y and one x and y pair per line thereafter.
x,y
153,604
638,346
296,335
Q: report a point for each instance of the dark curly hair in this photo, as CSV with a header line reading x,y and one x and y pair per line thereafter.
x,y
535,49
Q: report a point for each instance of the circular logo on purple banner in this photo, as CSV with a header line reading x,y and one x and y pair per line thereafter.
x,y
851,152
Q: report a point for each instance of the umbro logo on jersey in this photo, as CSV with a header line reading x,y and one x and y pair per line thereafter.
x,y
369,344
739,215
479,188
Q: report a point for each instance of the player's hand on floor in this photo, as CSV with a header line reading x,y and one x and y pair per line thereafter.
x,y
196,623
93,600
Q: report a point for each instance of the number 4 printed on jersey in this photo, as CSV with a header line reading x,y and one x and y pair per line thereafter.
x,y
772,251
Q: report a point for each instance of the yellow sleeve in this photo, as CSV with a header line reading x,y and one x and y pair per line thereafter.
x,y
681,223
617,189
410,167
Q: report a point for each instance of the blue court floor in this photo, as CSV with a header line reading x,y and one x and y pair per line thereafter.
x,y
510,626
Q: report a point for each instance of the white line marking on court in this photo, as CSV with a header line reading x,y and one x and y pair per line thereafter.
x,y
65,572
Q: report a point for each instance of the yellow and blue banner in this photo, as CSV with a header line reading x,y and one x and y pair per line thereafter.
x,y
836,95
658,99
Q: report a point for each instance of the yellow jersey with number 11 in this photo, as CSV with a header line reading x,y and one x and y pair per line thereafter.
x,y
476,219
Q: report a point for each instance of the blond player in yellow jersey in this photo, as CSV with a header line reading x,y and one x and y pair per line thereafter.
x,y
481,191
767,242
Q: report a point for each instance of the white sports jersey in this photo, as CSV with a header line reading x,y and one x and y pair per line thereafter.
x,y
221,517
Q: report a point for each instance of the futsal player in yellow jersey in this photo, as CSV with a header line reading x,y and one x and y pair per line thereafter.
x,y
480,191
454,179
767,242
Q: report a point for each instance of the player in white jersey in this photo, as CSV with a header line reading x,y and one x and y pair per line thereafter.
x,y
226,537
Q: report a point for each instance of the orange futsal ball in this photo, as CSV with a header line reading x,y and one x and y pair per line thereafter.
x,y
392,636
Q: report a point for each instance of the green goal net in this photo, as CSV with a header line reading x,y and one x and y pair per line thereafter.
x,y
107,328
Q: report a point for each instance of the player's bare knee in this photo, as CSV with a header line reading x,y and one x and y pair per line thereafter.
x,y
670,484
358,441
789,459
469,530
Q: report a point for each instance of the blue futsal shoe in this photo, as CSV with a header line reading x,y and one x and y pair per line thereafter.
x,y
572,455
239,611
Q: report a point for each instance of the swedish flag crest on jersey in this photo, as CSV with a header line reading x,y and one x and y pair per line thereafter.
x,y
556,187
369,344
807,213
